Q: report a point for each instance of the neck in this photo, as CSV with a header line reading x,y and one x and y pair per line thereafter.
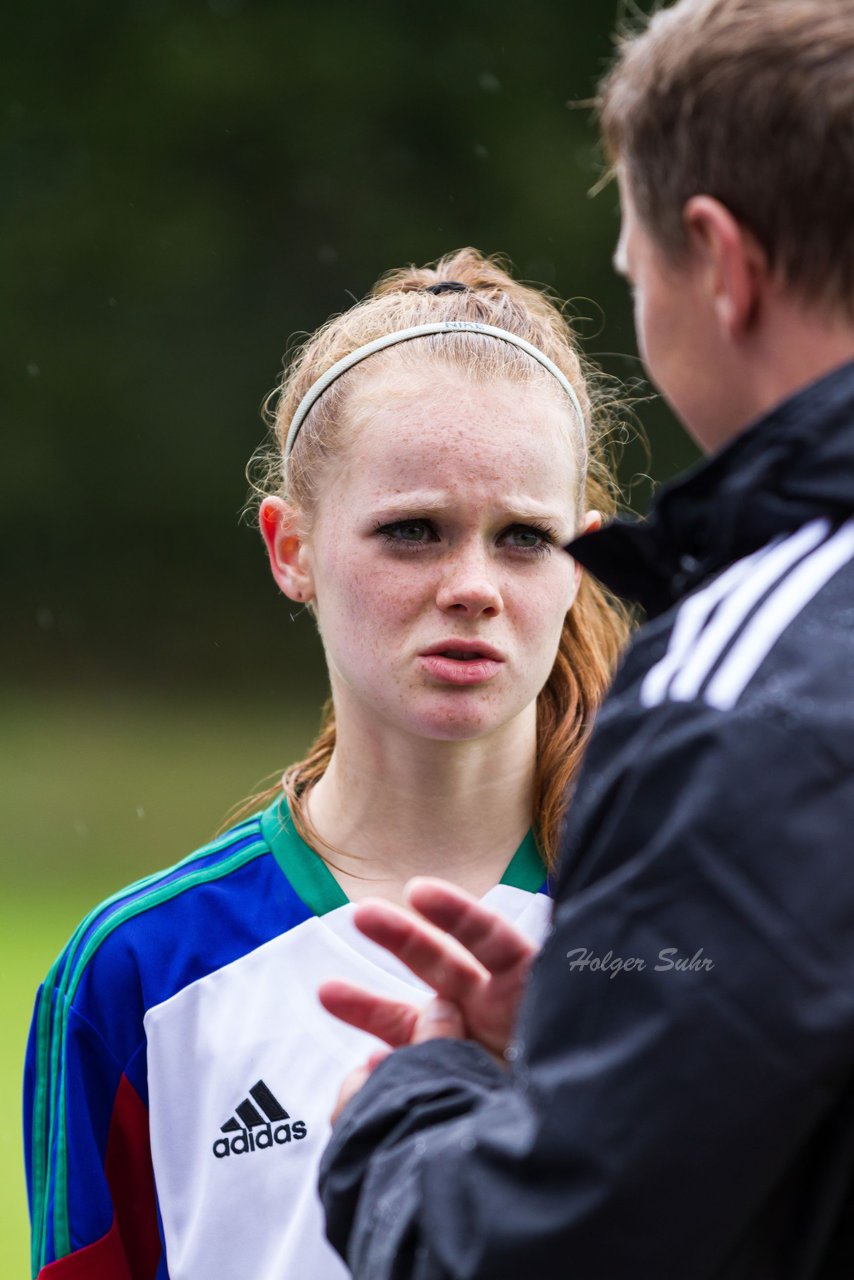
x,y
792,349
392,805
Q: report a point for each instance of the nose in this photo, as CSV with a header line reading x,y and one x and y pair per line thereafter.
x,y
468,586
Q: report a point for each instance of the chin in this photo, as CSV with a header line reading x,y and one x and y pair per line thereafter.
x,y
455,732
462,722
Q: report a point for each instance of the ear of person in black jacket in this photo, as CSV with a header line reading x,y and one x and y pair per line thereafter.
x,y
678,1100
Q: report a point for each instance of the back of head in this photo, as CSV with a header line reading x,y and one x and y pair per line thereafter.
x,y
751,102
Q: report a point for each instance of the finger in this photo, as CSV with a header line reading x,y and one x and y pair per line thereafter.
x,y
440,1019
389,1020
431,954
491,939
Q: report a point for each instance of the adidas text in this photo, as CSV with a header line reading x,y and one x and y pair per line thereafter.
x,y
261,1138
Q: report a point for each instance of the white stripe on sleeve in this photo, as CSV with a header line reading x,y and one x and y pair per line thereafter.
x,y
726,623
775,615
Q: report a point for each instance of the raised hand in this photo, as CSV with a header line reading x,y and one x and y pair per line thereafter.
x,y
469,955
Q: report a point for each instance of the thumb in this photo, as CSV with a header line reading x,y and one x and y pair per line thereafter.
x,y
440,1019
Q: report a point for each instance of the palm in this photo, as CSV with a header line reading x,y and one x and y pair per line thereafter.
x,y
468,954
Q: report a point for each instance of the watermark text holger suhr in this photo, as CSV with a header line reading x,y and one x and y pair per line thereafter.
x,y
668,959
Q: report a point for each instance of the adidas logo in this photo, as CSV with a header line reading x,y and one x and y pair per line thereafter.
x,y
254,1133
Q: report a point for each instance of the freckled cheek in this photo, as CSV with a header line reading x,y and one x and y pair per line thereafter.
x,y
539,611
366,604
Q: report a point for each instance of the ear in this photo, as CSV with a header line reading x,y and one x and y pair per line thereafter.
x,y
288,552
734,263
591,522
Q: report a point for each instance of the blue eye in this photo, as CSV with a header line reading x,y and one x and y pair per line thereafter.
x,y
526,538
412,533
530,539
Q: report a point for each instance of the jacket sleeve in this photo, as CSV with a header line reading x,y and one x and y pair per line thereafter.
x,y
676,1091
89,1176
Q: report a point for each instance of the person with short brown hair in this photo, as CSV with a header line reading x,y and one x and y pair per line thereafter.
x,y
752,102
670,1094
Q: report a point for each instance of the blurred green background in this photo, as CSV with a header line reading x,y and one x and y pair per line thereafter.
x,y
184,187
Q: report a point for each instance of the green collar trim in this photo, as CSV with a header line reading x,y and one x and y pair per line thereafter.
x,y
312,880
526,869
307,872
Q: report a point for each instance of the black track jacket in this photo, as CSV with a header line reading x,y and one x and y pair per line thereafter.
x,y
679,1101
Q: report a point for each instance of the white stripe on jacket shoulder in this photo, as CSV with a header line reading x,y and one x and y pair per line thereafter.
x,y
723,633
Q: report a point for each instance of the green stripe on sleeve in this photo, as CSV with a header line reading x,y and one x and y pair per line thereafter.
x,y
49,1120
61,1235
39,1156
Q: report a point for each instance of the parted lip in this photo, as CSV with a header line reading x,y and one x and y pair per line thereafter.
x,y
456,644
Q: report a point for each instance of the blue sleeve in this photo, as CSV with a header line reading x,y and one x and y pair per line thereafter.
x,y
89,1178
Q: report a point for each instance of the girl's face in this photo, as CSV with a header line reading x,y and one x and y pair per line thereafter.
x,y
434,559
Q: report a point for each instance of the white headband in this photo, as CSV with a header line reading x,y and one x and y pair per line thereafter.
x,y
317,389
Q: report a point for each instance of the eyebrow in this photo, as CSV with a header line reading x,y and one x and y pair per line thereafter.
x,y
433,504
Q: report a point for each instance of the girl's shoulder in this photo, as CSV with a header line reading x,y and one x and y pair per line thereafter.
x,y
145,943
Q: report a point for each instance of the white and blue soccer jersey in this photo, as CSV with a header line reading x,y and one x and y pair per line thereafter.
x,y
181,1071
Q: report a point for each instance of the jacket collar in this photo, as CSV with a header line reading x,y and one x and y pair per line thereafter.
x,y
789,467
